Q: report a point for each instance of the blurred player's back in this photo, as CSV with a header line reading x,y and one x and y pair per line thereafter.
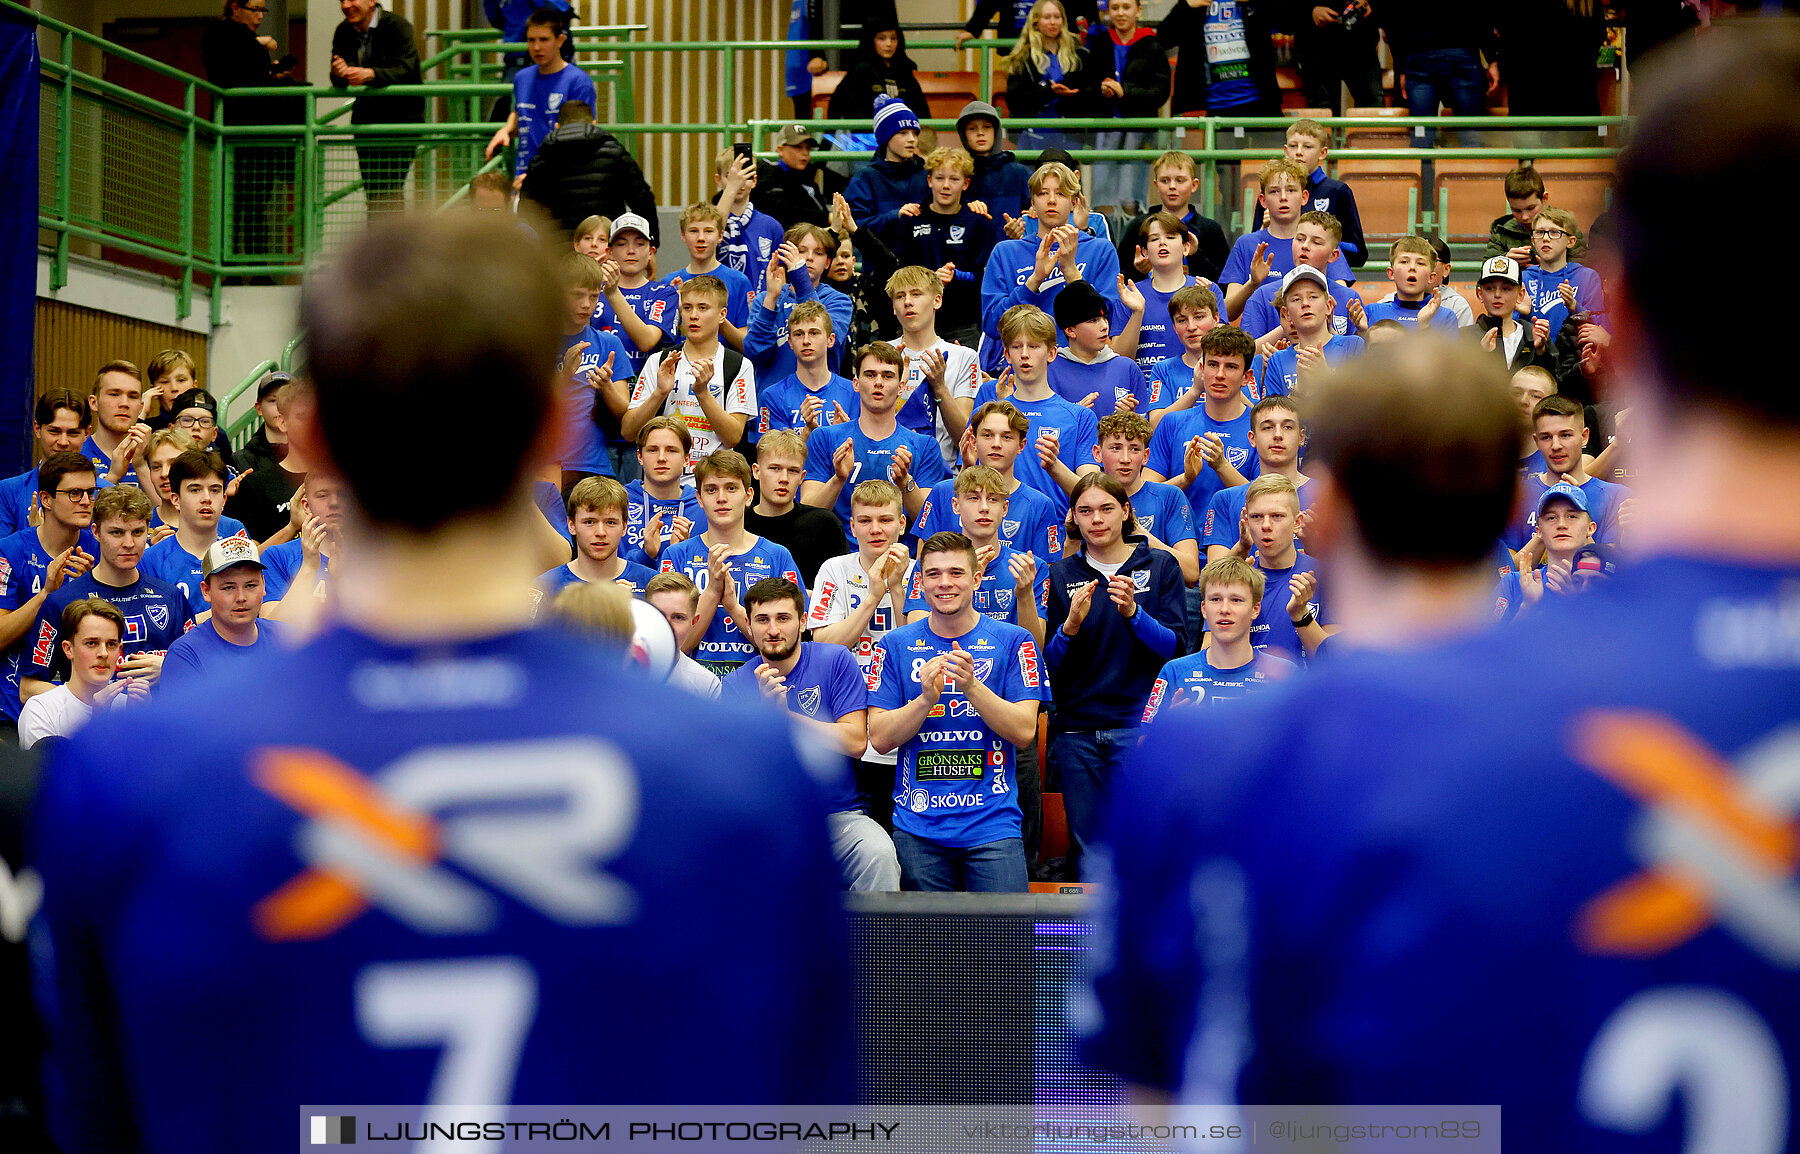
x,y
434,857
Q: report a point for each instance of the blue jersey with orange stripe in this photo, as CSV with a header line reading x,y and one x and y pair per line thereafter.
x,y
505,858
1459,876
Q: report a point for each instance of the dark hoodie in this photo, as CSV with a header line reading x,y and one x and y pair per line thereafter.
x,y
868,76
1001,181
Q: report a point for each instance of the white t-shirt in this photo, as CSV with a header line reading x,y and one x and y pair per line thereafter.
x,y
841,587
962,372
57,713
694,677
735,396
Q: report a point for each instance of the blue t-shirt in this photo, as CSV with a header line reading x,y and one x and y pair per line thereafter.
x,y
1281,260
1228,79
1604,500
954,782
572,823
1113,377
538,98
1171,377
1010,265
1192,681
1163,510
1273,631
16,497
873,459
1276,378
201,651
723,648
656,305
1030,523
548,585
1260,316
156,615
23,566
1407,313
1168,451
281,564
1077,433
1156,335
826,684
583,446
168,562
778,405
1546,869
996,595
640,507
1219,525
737,289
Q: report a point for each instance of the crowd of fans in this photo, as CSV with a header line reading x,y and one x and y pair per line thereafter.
x,y
913,452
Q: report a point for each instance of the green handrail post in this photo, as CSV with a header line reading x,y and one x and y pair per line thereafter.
x,y
65,116
287,355
238,430
729,102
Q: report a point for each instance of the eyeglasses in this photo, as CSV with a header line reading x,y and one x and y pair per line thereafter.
x,y
196,422
1547,233
77,494
256,8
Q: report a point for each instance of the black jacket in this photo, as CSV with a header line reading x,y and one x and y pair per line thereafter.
x,y
867,76
582,169
796,197
1145,78
394,55
1028,94
1523,357
234,59
1184,30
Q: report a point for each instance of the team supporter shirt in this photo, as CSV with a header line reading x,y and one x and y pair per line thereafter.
x,y
723,648
1260,316
23,566
1407,313
1163,511
874,459
1031,523
16,497
538,98
1156,333
53,713
778,405
91,449
736,396
919,409
737,288
751,238
168,562
1168,452
825,684
1277,376
600,818
156,615
1172,377
1011,265
548,585
640,507
1110,380
954,784
767,341
281,564
1280,257
1077,433
1504,873
202,651
842,587
1220,525
657,305
1604,500
1192,682
996,596
1273,631
1545,290
583,448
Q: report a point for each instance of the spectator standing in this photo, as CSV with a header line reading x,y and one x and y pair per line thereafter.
x,y
794,190
1437,51
1048,74
1133,73
1548,53
375,48
581,170
1227,57
540,92
1335,47
235,56
879,67
1000,179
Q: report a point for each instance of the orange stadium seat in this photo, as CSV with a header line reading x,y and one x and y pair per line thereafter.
x,y
1395,137
1055,840
1584,187
1387,196
1470,197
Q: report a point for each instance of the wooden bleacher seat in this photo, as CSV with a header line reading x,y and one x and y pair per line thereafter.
x,y
945,93
1396,137
1584,187
1388,193
1475,196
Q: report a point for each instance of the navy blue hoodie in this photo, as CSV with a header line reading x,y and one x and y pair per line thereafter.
x,y
1101,677
886,185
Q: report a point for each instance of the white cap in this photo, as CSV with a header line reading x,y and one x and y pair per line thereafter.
x,y
631,222
1500,268
1305,272
229,551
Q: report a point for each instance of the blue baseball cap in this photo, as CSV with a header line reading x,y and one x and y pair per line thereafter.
x,y
1567,492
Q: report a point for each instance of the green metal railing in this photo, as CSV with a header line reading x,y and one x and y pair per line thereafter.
x,y
239,429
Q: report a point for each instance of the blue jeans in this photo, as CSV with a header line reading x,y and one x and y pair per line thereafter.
x,y
997,867
1086,759
1196,624
1451,76
1119,182
624,462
